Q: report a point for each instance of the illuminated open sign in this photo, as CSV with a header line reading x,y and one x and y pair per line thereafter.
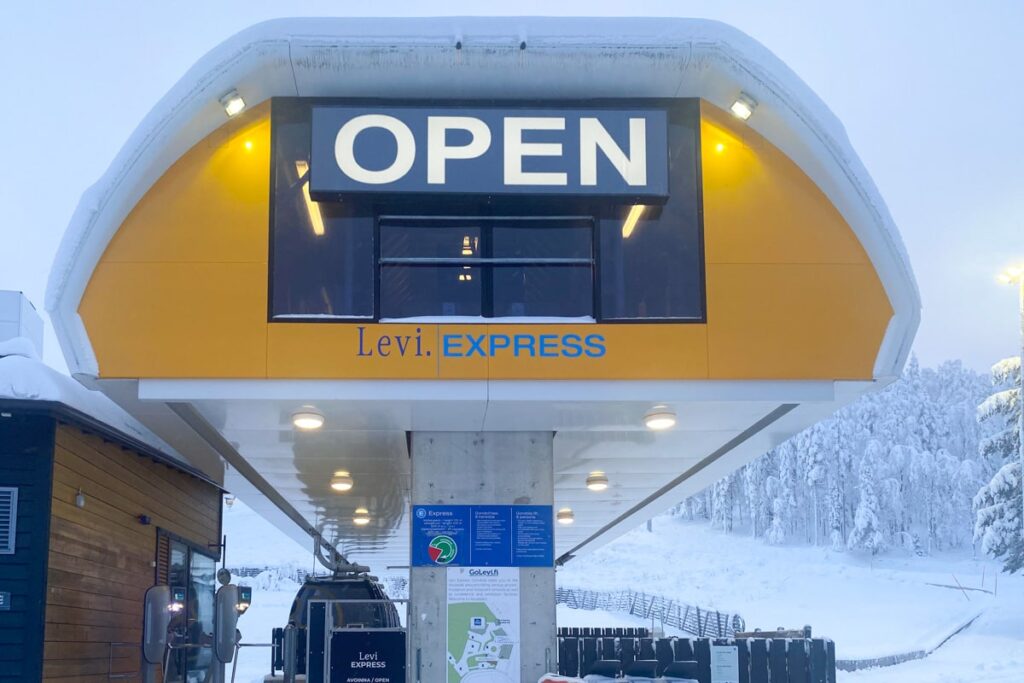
x,y
492,151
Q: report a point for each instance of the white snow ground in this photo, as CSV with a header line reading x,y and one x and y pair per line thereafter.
x,y
871,608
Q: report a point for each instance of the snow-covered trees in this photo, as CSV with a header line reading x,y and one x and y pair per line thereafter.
x,y
998,524
899,468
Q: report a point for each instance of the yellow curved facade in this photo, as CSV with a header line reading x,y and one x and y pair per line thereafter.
x,y
181,291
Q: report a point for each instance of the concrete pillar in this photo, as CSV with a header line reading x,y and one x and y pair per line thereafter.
x,y
481,468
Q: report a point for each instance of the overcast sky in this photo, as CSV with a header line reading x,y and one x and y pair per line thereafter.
x,y
931,94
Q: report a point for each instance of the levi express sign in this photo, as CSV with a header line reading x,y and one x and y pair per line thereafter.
x,y
492,151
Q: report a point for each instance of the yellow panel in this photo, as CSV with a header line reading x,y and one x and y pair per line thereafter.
x,y
178,319
211,205
181,290
759,207
619,351
351,351
786,321
462,366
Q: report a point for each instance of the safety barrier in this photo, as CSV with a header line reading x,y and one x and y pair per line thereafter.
x,y
761,660
660,610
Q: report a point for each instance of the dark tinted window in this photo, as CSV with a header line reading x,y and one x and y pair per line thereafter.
x,y
326,264
486,267
651,257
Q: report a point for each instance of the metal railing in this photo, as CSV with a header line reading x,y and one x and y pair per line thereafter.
x,y
659,610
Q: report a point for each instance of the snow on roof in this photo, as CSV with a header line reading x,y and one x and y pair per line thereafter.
x,y
563,58
24,377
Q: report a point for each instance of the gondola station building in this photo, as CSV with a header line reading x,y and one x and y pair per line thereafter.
x,y
475,296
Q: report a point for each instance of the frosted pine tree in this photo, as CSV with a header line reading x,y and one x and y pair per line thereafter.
x,y
867,528
997,507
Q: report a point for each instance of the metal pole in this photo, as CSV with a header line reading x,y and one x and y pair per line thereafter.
x,y
290,643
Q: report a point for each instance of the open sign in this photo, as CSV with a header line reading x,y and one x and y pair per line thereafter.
x,y
596,152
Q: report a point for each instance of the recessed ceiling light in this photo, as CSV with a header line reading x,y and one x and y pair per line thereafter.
x,y
232,102
743,107
565,516
341,481
597,481
361,517
660,418
308,419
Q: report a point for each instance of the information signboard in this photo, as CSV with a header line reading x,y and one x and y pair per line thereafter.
x,y
362,656
482,535
725,664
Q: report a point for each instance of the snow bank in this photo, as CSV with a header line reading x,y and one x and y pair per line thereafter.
x,y
24,377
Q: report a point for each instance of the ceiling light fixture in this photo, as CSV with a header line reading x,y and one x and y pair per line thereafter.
x,y
361,517
342,481
232,102
308,419
743,107
597,481
565,516
660,418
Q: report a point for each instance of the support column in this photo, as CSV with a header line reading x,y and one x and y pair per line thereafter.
x,y
481,468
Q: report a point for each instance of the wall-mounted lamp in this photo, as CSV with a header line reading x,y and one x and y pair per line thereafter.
x,y
79,499
743,107
232,102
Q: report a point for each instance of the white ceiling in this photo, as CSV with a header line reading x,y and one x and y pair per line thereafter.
x,y
247,424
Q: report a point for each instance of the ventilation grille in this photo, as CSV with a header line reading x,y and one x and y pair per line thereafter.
x,y
8,519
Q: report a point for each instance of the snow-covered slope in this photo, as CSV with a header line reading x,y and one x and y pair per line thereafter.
x,y
871,608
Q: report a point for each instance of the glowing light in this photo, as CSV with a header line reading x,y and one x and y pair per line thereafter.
x,y
597,481
248,145
1011,275
233,103
660,418
565,516
342,481
316,219
308,419
361,517
720,148
631,220
743,107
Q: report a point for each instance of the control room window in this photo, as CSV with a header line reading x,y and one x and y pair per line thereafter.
x,y
387,256
486,268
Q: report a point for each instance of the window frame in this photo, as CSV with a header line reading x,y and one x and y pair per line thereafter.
x,y
487,264
598,211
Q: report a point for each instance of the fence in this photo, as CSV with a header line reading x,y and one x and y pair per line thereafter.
x,y
679,615
760,660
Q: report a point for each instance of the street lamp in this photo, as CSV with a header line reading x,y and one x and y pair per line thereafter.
x,y
1015,276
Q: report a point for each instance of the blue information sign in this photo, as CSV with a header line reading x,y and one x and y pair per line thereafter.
x,y
482,535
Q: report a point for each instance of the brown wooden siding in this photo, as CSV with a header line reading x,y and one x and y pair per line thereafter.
x,y
102,558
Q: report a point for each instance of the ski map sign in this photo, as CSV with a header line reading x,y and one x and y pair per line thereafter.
x,y
483,625
482,536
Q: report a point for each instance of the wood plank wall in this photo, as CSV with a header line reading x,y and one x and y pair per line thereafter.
x,y
102,559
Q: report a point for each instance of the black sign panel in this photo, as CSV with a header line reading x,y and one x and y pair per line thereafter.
x,y
359,656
